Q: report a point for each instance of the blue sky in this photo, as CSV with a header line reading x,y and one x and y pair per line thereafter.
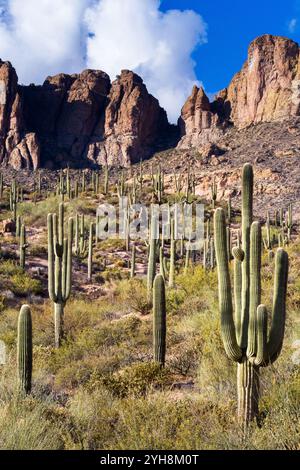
x,y
232,25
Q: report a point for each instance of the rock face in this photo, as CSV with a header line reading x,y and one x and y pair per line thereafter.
x,y
67,112
77,120
266,89
84,119
199,122
17,147
133,122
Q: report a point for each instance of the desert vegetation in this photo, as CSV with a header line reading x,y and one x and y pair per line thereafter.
x,y
123,343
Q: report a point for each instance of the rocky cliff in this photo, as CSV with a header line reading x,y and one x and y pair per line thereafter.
x,y
85,119
77,120
266,89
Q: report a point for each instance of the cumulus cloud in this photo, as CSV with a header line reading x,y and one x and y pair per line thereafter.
x,y
135,34
292,25
45,37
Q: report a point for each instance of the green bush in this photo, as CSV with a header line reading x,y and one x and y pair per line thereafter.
x,y
136,379
22,285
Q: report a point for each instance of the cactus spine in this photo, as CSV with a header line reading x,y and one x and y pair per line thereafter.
x,y
159,320
59,268
245,338
24,350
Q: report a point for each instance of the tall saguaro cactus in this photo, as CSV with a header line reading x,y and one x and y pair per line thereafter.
x,y
159,319
24,350
59,267
172,255
23,246
244,333
90,254
152,257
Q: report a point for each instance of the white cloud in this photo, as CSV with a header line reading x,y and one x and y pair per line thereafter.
x,y
45,37
136,35
292,25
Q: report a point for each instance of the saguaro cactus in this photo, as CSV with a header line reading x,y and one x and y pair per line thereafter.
x,y
152,258
268,243
23,246
90,254
24,350
245,337
172,255
159,320
80,248
106,179
14,198
289,221
59,268
133,260
214,193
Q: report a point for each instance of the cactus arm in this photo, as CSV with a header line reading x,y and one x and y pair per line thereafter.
x,y
24,353
51,263
69,260
261,336
58,276
61,224
152,258
247,202
64,269
76,248
237,278
172,255
57,249
279,301
255,285
232,349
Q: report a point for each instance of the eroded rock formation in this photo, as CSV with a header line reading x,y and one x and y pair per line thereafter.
x,y
85,119
132,125
266,89
17,147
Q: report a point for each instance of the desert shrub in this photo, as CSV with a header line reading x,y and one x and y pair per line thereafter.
x,y
25,426
133,293
22,285
111,274
9,268
38,250
136,379
158,421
